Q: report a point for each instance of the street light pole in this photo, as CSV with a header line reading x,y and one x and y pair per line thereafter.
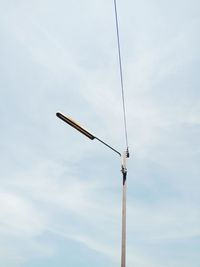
x,y
124,157
123,245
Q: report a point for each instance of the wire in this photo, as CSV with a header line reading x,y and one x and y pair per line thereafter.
x,y
121,76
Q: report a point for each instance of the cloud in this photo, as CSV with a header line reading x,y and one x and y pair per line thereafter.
x,y
55,182
21,223
19,217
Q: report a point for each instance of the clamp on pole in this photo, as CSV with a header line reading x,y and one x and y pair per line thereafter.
x,y
124,157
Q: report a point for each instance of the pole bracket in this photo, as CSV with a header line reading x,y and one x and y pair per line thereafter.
x,y
124,157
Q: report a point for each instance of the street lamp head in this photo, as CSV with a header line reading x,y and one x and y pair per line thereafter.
x,y
75,125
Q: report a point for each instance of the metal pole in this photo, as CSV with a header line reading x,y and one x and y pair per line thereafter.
x,y
123,248
124,173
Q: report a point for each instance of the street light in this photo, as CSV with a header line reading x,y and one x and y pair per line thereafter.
x,y
124,157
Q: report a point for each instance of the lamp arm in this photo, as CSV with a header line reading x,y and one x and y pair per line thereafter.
x,y
108,146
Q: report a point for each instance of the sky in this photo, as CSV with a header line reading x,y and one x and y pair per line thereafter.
x,y
60,193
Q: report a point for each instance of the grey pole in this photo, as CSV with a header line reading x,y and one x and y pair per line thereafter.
x,y
123,245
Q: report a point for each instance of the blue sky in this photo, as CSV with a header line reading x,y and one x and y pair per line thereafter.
x,y
60,193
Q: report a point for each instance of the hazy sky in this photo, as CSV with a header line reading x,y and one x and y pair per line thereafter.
x,y
60,193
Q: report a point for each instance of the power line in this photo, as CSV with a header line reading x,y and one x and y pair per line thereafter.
x,y
121,75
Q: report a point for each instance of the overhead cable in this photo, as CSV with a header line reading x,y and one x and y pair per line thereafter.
x,y
121,76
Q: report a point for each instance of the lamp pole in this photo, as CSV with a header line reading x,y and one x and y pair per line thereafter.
x,y
124,157
124,174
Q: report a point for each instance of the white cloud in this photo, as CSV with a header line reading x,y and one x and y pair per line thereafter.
x,y
52,181
19,216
